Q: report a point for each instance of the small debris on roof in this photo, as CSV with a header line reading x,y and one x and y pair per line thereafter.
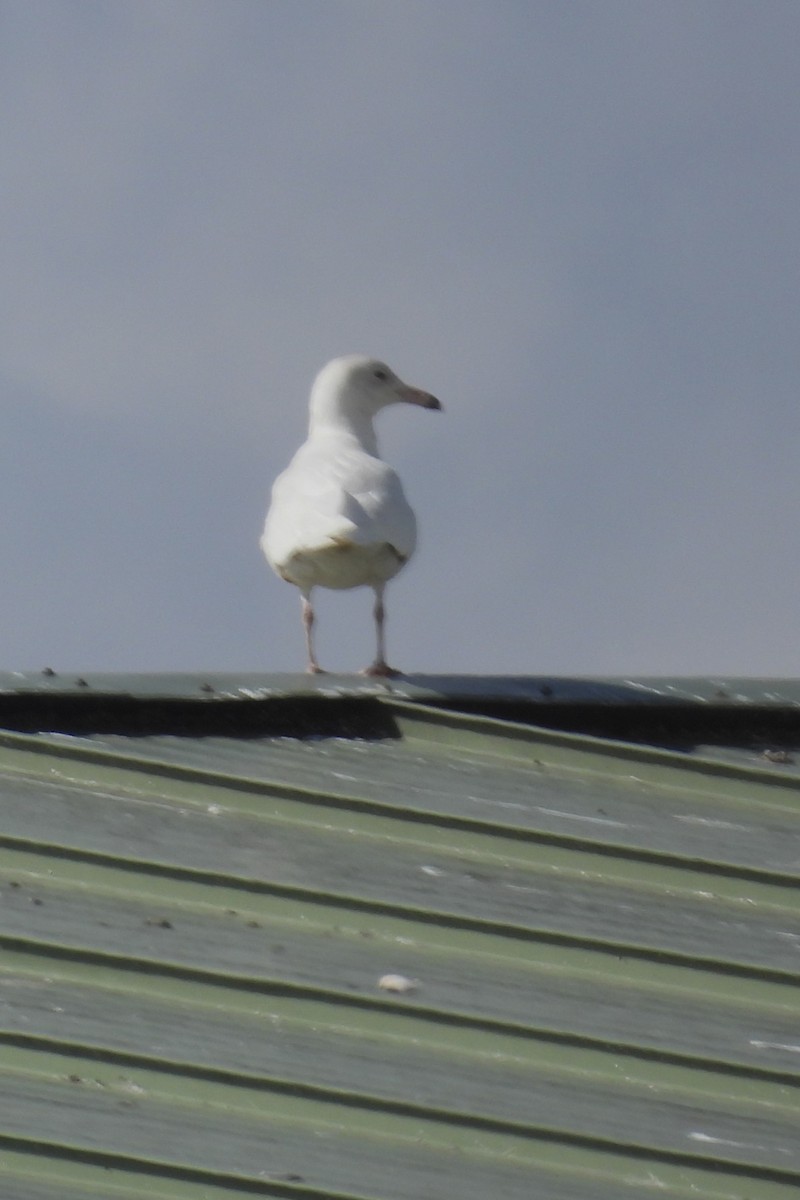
x,y
397,983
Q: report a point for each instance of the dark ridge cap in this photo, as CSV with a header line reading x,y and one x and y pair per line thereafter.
x,y
676,726
131,716
671,726
760,715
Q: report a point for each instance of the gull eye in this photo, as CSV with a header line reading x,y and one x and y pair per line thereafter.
x,y
381,374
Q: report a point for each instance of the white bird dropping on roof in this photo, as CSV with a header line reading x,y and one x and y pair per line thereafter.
x,y
339,517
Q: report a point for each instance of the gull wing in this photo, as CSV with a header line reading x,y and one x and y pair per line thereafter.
x,y
324,498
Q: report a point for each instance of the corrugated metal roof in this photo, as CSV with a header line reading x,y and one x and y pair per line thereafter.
x,y
600,942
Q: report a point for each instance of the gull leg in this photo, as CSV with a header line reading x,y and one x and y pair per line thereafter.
x,y
313,667
380,667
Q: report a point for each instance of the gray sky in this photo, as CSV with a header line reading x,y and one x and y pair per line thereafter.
x,y
577,224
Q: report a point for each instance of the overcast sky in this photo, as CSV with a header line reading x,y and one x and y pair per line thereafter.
x,y
576,223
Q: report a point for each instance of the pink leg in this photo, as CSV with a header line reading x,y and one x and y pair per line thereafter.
x,y
313,667
380,667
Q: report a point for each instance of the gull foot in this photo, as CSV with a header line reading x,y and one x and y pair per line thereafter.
x,y
380,670
315,669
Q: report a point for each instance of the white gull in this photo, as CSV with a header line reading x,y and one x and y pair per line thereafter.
x,y
339,517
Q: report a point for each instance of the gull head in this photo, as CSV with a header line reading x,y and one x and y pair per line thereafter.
x,y
355,388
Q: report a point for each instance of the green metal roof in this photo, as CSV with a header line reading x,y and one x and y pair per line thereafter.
x,y
600,942
535,689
